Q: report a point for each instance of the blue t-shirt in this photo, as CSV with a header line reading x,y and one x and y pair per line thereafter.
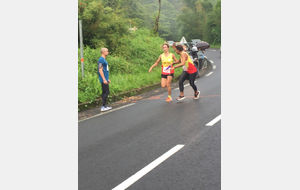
x,y
200,55
103,63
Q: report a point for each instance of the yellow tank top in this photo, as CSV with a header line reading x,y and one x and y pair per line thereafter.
x,y
188,60
189,66
166,61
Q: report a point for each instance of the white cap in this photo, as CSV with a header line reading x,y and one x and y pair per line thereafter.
x,y
194,48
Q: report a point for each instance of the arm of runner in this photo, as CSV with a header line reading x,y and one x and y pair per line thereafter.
x,y
183,57
174,58
175,62
155,64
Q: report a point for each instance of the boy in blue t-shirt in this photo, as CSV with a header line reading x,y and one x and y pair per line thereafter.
x,y
103,73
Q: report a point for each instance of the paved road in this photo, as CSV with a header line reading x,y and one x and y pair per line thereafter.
x,y
155,145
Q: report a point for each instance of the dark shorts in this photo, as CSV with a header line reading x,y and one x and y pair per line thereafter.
x,y
165,76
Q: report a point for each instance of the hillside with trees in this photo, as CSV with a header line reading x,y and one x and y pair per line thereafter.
x,y
106,21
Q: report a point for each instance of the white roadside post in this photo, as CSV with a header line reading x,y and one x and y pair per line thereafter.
x,y
81,48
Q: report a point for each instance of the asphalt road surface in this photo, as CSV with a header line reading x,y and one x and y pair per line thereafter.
x,y
152,144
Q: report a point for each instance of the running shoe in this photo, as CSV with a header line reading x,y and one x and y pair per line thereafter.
x,y
169,99
196,96
104,108
181,98
108,108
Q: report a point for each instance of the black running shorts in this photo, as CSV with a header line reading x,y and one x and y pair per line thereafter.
x,y
165,76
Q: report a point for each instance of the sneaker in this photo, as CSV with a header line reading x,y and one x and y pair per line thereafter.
x,y
197,96
169,99
108,108
104,108
181,98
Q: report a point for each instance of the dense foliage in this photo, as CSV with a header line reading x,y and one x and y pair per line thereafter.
x,y
106,22
201,19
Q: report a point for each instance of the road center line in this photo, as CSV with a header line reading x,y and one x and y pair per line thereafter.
x,y
211,61
209,74
214,67
214,121
147,168
102,113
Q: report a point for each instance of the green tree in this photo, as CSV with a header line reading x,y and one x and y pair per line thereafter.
x,y
167,20
157,18
214,25
194,17
168,23
189,3
102,25
135,12
189,24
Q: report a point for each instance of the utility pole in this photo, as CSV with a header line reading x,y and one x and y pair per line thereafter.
x,y
81,48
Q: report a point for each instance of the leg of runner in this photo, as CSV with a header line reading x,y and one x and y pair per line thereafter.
x,y
183,77
196,65
163,82
169,79
192,78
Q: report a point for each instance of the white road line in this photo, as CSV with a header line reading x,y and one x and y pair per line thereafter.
x,y
211,61
214,67
214,121
209,74
147,168
102,113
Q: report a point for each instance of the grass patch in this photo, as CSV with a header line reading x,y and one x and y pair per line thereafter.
x,y
215,46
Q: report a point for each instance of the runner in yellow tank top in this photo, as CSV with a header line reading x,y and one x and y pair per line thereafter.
x,y
166,73
189,72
